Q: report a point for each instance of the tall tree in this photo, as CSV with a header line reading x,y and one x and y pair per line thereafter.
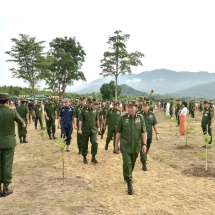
x,y
118,61
68,57
27,54
108,90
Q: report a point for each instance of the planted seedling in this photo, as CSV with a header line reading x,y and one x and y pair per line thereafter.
x,y
41,133
187,131
207,139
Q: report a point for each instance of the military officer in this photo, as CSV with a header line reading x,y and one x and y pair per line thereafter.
x,y
207,120
192,108
111,119
105,109
177,109
131,129
171,108
37,113
150,121
50,113
65,123
139,107
78,108
24,113
200,106
88,127
7,143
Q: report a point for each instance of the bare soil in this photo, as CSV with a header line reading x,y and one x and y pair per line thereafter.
x,y
176,181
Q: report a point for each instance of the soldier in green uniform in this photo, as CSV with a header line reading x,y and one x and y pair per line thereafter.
x,y
111,119
37,113
177,109
131,129
207,120
77,109
50,113
171,108
200,107
139,107
151,106
150,121
189,107
7,143
88,127
211,105
192,108
105,109
23,111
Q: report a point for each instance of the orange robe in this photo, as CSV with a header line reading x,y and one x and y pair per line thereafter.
x,y
182,124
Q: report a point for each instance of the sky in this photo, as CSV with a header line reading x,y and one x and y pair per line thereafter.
x,y
173,34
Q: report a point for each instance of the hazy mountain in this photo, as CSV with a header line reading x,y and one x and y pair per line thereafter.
x,y
162,81
201,90
129,91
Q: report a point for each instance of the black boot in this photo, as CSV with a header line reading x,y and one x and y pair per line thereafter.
x,y
94,159
106,146
6,191
130,188
24,140
20,139
53,136
79,151
85,160
144,167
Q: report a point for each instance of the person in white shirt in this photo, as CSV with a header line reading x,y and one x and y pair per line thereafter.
x,y
183,115
167,108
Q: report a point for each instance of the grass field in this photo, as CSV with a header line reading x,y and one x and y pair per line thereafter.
x,y
176,181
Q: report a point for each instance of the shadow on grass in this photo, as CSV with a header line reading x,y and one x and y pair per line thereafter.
x,y
185,146
199,171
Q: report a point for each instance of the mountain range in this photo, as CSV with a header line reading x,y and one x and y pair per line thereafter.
x,y
162,81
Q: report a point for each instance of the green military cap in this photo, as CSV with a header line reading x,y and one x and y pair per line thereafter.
x,y
76,100
205,102
4,96
66,100
49,98
96,103
178,100
82,98
115,102
90,99
23,100
107,102
132,103
146,102
140,99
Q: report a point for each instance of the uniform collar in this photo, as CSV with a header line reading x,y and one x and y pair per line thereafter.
x,y
129,116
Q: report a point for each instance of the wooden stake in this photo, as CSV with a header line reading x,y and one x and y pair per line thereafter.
x,y
206,150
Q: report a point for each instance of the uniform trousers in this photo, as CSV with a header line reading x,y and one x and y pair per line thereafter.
x,y
84,143
6,164
129,160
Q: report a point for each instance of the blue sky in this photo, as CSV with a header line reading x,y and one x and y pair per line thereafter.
x,y
173,34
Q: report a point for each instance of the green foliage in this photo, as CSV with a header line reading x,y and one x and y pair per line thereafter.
x,y
206,138
63,64
27,54
108,91
118,61
41,132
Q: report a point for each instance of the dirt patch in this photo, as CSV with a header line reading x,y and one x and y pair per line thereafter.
x,y
185,147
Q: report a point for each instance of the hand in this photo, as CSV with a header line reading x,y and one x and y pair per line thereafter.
x,y
144,149
58,126
98,130
80,132
157,137
211,127
47,118
75,127
116,149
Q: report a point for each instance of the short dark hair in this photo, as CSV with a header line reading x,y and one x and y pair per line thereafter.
x,y
3,102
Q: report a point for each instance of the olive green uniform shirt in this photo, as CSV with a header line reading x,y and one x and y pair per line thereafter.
x,y
7,126
131,129
22,111
50,111
112,117
88,117
150,120
207,116
38,110
177,108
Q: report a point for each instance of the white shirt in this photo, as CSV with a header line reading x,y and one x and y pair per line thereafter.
x,y
183,112
167,107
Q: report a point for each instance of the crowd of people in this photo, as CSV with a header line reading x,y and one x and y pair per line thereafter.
x,y
130,125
